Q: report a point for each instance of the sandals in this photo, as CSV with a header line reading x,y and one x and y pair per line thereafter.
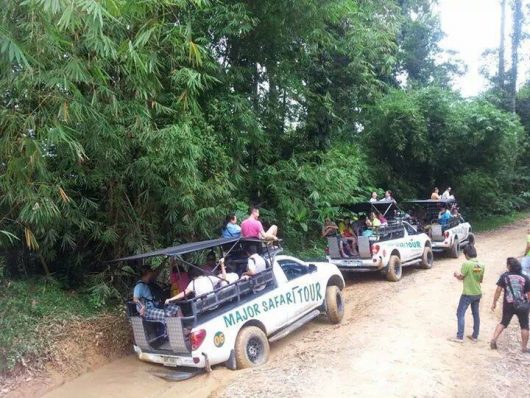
x,y
493,345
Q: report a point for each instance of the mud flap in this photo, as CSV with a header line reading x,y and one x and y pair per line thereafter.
x,y
177,375
231,363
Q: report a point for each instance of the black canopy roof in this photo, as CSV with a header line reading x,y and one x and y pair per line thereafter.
x,y
382,206
431,202
184,248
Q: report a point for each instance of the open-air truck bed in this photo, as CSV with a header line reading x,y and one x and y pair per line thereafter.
x,y
393,230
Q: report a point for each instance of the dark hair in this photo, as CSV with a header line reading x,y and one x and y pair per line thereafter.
x,y
228,218
514,265
251,209
145,270
252,249
470,251
211,254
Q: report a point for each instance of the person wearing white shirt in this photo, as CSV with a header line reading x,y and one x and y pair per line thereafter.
x,y
447,194
204,284
256,263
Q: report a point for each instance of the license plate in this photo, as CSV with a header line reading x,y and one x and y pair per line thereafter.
x,y
171,361
352,263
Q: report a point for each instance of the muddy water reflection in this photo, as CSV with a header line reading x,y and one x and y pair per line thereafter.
x,y
129,377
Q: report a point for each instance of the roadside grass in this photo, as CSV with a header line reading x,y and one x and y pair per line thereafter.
x,y
30,312
491,222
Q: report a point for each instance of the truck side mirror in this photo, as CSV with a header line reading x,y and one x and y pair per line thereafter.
x,y
312,268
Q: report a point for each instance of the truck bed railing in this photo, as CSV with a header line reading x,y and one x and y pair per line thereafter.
x,y
197,306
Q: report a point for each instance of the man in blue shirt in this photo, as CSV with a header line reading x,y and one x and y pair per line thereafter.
x,y
145,301
444,216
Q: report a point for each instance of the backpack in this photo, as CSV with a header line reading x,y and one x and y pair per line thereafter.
x,y
520,304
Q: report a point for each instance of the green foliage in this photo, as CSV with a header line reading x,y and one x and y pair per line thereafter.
x,y
492,222
131,125
307,188
24,305
431,137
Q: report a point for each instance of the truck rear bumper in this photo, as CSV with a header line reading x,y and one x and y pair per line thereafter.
x,y
358,265
440,246
193,361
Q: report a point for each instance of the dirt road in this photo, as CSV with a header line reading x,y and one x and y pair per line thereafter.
x,y
392,342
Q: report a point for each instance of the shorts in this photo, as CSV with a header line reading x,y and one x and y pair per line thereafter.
x,y
508,311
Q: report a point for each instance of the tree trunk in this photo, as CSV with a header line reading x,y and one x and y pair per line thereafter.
x,y
501,74
516,43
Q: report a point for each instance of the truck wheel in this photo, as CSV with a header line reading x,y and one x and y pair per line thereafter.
x,y
471,239
427,258
334,304
455,249
393,273
252,347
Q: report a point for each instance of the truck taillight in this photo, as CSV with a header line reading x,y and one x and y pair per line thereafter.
x,y
196,338
446,234
375,249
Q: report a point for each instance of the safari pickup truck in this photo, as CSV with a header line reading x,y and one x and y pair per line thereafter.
x,y
450,238
389,248
234,324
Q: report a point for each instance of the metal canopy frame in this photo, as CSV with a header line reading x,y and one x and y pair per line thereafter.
x,y
381,207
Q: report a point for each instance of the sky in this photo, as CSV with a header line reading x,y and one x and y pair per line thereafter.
x,y
472,26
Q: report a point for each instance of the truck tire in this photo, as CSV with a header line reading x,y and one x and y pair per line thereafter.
x,y
427,258
334,304
394,269
471,239
454,252
251,348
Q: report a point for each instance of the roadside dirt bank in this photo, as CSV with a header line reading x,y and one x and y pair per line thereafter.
x,y
74,347
392,343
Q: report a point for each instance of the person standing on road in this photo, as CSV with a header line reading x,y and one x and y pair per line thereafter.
x,y
525,261
472,274
516,288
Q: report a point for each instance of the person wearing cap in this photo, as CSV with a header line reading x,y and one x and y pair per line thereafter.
x,y
146,305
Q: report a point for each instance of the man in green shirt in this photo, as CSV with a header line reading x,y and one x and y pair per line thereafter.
x,y
472,274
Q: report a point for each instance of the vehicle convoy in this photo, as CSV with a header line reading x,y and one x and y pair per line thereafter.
x,y
447,238
387,249
234,324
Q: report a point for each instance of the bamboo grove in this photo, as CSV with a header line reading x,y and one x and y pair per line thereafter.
x,y
130,125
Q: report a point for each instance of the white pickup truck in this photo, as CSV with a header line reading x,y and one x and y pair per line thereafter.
x,y
449,238
388,250
234,324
